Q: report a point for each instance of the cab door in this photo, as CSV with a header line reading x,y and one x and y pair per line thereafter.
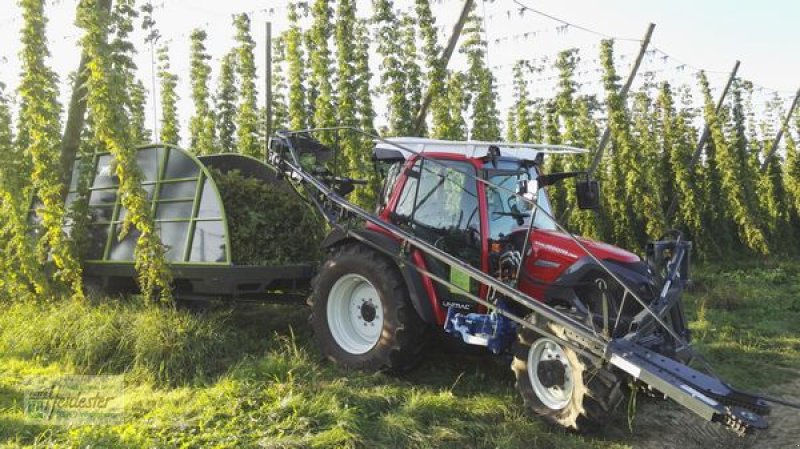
x,y
439,203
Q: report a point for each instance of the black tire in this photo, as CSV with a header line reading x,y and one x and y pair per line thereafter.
x,y
595,393
401,339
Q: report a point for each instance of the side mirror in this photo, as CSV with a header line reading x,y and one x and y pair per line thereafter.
x,y
588,194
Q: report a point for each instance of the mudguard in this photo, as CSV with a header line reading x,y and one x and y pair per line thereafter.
x,y
633,274
416,290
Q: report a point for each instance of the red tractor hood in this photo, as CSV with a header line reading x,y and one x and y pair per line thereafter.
x,y
559,246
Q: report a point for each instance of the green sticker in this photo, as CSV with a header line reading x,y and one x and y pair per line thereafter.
x,y
459,279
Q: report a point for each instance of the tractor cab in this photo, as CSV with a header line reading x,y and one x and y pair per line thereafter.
x,y
485,203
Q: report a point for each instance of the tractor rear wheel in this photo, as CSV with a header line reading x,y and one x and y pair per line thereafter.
x,y
557,383
360,312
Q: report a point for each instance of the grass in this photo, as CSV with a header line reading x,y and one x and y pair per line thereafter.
x,y
745,318
250,376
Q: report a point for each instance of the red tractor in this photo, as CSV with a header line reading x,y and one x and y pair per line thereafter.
x,y
464,240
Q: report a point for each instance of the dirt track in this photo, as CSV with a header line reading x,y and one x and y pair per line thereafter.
x,y
660,425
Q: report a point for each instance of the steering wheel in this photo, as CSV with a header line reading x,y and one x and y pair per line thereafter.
x,y
511,201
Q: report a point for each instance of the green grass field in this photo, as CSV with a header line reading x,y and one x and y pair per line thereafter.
x,y
250,376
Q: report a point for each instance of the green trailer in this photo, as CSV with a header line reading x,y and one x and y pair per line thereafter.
x,y
190,217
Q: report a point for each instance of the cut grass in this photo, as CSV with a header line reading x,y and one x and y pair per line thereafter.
x,y
249,377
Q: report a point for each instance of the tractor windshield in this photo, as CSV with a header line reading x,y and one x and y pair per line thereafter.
x,y
508,212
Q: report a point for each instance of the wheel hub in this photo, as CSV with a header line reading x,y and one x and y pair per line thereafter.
x,y
550,373
368,311
355,313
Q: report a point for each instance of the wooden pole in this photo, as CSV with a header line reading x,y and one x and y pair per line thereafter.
x,y
268,90
778,136
419,121
701,143
623,93
76,113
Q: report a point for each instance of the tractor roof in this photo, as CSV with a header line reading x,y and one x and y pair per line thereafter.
x,y
394,147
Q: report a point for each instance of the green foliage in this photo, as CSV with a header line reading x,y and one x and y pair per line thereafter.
x,y
679,141
622,175
650,174
247,111
105,92
394,79
364,107
201,126
412,69
226,104
123,13
480,83
354,148
267,224
560,125
170,132
456,127
321,71
522,126
312,89
280,108
732,190
511,125
435,72
41,134
349,143
19,270
138,128
791,173
774,206
365,112
298,118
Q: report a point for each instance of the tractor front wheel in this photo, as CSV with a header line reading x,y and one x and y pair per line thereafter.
x,y
556,383
361,315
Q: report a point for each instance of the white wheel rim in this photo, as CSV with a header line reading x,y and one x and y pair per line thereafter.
x,y
355,314
554,397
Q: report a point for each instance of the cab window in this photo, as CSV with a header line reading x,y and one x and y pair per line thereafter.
x,y
392,174
440,197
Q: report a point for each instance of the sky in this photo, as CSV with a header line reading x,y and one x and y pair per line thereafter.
x,y
689,35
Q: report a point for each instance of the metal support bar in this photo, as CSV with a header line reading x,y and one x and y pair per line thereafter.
x,y
778,136
268,90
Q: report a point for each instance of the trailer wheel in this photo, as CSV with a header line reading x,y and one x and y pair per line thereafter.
x,y
556,382
361,314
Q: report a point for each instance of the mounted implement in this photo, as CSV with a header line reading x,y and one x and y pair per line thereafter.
x,y
463,239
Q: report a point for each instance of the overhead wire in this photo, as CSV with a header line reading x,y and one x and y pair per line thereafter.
x,y
573,25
